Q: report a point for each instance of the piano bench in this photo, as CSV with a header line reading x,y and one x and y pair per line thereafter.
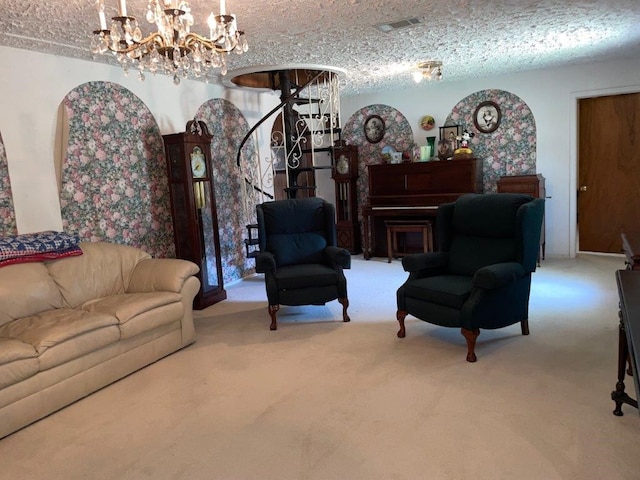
x,y
394,227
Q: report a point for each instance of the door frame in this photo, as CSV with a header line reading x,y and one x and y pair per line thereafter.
x,y
573,154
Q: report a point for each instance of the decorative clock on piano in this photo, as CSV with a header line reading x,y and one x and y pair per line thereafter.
x,y
345,174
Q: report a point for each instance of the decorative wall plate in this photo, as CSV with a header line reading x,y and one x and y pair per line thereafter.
x,y
427,122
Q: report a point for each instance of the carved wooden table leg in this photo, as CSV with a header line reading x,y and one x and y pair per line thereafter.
x,y
619,396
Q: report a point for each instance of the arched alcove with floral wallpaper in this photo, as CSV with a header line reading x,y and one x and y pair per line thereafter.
x,y
7,213
508,150
113,175
229,126
398,134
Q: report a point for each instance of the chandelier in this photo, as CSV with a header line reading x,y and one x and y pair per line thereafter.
x,y
173,49
429,70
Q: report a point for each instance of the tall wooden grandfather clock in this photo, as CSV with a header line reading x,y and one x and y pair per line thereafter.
x,y
193,206
345,174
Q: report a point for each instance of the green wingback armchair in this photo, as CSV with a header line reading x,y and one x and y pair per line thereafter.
x,y
480,277
299,256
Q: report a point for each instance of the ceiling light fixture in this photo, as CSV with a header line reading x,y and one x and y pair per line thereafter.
x,y
173,49
429,70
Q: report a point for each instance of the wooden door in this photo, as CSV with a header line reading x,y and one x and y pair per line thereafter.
x,y
608,171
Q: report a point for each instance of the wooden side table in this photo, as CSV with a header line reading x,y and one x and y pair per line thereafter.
x,y
631,249
394,227
628,282
531,185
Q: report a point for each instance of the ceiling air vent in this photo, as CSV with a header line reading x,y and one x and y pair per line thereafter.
x,y
388,27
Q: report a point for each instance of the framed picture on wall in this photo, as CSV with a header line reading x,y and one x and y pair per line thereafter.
x,y
450,133
487,117
374,128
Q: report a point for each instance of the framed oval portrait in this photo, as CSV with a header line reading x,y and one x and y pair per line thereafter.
x,y
374,128
487,117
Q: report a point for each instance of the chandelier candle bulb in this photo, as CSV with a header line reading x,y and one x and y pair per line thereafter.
x,y
103,19
123,8
222,7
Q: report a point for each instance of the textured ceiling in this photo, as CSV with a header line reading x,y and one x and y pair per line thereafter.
x,y
472,38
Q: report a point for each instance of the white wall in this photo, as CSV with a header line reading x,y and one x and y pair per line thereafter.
x,y
552,97
33,85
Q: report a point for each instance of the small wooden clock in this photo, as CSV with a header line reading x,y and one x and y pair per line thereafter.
x,y
345,175
193,207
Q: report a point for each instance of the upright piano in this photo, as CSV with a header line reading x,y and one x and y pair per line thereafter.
x,y
413,191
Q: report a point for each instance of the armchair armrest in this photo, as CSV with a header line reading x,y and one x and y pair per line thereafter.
x,y
338,256
418,262
265,262
498,275
161,274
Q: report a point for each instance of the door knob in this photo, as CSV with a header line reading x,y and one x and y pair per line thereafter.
x,y
583,188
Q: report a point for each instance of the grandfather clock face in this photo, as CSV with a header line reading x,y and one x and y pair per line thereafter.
x,y
342,165
198,163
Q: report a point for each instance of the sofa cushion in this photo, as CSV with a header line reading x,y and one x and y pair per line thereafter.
x,y
63,334
449,290
304,276
26,290
139,312
18,360
103,270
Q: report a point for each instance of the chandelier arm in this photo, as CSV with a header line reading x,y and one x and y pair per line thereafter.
x,y
154,37
193,38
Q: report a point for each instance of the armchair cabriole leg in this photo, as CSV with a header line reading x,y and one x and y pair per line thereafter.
x,y
400,316
345,304
471,337
272,313
524,325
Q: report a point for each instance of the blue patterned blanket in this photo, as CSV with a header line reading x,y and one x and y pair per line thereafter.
x,y
37,246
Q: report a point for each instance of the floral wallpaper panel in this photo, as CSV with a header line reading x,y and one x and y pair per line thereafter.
x,y
7,214
234,201
511,148
114,180
398,134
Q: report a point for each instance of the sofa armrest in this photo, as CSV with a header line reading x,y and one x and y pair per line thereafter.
x,y
418,262
337,256
498,275
265,262
161,274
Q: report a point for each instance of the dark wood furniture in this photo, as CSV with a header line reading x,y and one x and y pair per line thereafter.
x,y
406,227
628,282
631,249
345,175
413,191
193,207
531,185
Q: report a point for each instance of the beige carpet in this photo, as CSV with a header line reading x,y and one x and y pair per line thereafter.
x,y
320,399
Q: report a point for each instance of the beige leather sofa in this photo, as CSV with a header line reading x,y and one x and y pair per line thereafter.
x,y
68,327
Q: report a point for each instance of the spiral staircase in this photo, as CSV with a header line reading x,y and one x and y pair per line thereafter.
x,y
305,130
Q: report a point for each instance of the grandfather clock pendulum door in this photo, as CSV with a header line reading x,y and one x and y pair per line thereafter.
x,y
345,175
193,206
